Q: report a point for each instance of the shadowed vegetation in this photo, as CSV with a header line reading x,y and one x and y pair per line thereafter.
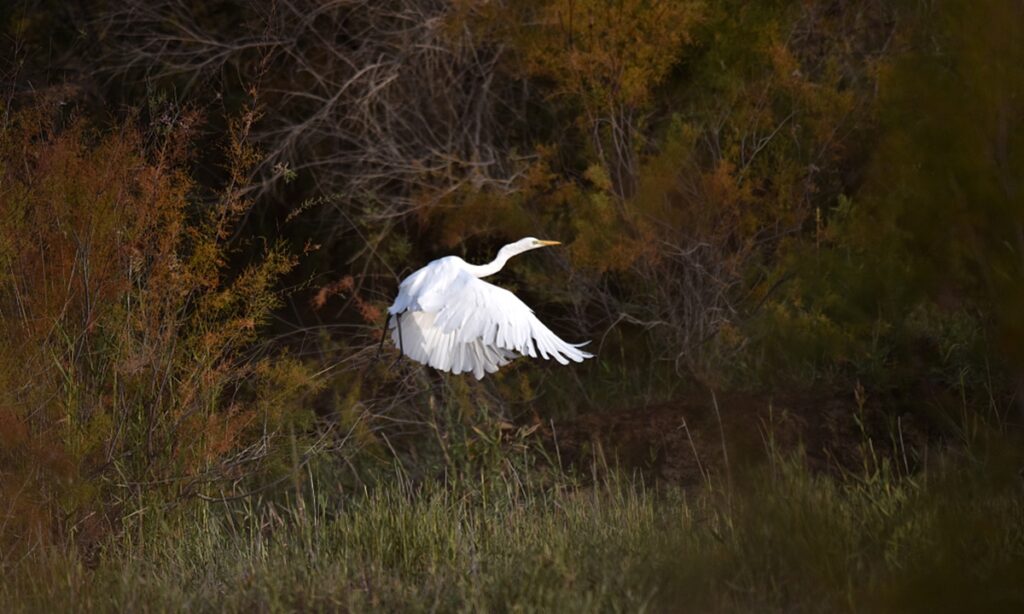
x,y
780,539
793,231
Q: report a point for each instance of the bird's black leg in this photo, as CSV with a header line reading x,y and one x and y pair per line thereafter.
x,y
401,343
383,335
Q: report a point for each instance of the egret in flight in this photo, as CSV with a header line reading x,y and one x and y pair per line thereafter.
x,y
447,317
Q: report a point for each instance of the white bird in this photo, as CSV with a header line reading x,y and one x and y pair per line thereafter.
x,y
446,317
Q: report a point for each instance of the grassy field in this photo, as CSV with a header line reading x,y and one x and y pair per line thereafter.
x,y
774,537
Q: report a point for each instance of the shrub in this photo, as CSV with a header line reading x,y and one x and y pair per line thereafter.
x,y
130,372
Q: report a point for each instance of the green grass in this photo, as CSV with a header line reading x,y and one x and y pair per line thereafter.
x,y
779,538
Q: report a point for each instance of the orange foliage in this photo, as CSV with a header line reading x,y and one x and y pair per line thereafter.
x,y
371,314
606,53
123,327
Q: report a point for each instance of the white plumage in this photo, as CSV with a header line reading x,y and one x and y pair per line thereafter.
x,y
446,317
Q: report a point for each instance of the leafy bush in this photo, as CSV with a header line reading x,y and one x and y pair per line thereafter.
x,y
132,370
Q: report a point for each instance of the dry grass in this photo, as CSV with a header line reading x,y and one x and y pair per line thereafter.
x,y
780,539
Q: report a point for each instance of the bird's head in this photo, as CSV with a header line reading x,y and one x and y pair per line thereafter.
x,y
525,245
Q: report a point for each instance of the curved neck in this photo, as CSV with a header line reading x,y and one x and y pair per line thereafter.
x,y
483,270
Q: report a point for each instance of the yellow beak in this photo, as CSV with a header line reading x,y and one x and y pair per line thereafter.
x,y
546,243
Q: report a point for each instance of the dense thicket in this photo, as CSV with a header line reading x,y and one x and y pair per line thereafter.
x,y
770,195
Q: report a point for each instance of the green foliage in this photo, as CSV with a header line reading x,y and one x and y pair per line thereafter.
x,y
916,279
943,198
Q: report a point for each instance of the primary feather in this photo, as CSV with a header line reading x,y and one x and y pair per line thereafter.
x,y
446,317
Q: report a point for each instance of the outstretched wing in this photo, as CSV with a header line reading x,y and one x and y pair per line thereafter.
x,y
466,324
479,310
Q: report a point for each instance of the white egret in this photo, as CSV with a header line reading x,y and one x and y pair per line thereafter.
x,y
447,317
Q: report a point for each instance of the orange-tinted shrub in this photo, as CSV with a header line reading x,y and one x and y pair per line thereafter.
x,y
127,367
